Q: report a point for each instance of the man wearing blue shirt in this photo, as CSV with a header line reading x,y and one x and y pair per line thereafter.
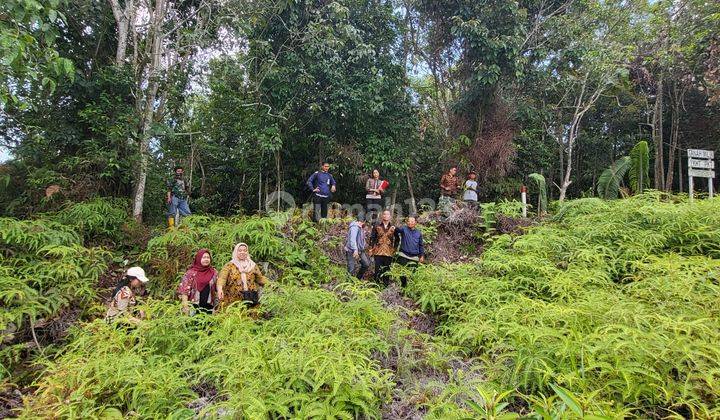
x,y
411,250
322,185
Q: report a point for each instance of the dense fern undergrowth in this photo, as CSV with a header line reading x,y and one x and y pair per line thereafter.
x,y
615,301
605,309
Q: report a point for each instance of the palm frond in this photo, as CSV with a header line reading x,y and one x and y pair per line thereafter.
x,y
639,167
608,186
542,191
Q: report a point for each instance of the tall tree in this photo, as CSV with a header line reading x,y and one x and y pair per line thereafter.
x,y
590,63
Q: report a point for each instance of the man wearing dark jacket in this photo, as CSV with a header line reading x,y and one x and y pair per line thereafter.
x,y
322,185
411,250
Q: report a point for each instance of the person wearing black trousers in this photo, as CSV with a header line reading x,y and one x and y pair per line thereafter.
x,y
373,197
411,251
382,247
322,185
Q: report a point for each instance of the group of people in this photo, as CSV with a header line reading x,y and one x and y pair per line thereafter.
x,y
449,186
202,288
388,243
323,185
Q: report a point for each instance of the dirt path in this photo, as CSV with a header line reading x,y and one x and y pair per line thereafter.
x,y
418,380
421,372
409,335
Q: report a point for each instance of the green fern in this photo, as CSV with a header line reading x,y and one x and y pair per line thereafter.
x,y
591,307
314,357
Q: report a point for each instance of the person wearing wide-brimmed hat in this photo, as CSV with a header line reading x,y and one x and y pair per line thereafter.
x,y
123,297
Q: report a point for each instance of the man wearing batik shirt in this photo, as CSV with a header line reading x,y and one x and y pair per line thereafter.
x,y
449,184
382,246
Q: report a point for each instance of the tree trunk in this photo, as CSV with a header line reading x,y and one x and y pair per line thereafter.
x,y
278,174
681,182
123,20
267,190
154,51
192,165
657,133
582,105
202,178
241,194
565,182
561,166
677,98
571,136
413,205
260,189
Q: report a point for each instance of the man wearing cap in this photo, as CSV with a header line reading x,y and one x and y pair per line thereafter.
x,y
177,197
123,298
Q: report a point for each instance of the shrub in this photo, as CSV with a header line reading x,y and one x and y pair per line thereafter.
x,y
99,220
43,268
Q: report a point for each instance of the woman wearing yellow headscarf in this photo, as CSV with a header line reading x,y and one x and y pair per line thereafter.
x,y
240,279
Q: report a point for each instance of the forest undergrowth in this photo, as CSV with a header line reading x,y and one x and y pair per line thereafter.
x,y
610,308
607,309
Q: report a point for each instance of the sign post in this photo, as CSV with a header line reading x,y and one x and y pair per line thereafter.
x,y
523,197
701,165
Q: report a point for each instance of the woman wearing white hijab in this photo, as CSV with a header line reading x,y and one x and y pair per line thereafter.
x,y
240,279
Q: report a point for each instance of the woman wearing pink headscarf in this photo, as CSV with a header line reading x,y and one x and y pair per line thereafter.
x,y
198,284
240,279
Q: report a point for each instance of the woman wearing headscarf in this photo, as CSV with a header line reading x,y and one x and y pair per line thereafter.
x,y
123,300
198,284
240,279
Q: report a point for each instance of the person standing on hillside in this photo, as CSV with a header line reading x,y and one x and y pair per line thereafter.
x,y
322,185
177,197
470,194
412,251
198,284
240,280
355,248
382,247
373,197
449,184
